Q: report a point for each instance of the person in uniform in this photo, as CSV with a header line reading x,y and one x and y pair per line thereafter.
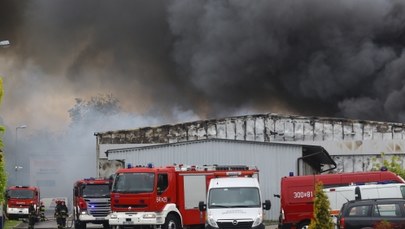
x,y
61,214
32,216
42,212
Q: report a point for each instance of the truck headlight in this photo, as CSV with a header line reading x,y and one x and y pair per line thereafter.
x,y
212,222
149,216
258,220
113,216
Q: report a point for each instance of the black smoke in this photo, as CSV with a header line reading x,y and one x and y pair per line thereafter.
x,y
177,60
215,58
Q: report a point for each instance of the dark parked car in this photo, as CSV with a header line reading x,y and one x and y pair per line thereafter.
x,y
362,214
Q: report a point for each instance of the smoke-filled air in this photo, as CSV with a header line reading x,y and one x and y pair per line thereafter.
x,y
167,61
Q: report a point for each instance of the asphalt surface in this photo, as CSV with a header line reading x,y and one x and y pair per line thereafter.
x,y
51,224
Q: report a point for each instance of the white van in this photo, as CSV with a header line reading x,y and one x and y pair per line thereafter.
x,y
234,202
339,195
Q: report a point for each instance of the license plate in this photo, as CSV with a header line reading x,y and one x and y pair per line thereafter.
x,y
99,218
128,222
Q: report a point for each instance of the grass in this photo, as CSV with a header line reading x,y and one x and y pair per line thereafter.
x,y
10,224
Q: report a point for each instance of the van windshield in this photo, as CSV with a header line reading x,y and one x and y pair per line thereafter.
x,y
21,194
240,197
134,182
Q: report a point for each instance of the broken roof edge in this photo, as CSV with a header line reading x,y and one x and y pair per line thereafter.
x,y
272,115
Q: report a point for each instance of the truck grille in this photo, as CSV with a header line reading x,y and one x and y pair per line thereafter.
x,y
244,224
98,207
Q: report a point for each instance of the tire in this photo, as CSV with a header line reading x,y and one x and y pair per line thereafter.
x,y
303,225
172,222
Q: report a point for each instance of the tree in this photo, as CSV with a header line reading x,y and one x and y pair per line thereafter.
x,y
3,173
394,165
322,218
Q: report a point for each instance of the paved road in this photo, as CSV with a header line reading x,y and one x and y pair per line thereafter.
x,y
51,224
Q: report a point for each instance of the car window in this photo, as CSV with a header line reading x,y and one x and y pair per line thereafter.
x,y
361,211
391,210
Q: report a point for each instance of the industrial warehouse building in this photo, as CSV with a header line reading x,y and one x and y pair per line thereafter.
x,y
266,156
276,143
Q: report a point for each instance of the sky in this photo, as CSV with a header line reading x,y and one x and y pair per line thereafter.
x,y
170,61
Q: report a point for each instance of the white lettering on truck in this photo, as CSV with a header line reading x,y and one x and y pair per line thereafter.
x,y
161,199
300,195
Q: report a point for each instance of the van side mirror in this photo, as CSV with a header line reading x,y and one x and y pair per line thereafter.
x,y
357,193
267,205
202,206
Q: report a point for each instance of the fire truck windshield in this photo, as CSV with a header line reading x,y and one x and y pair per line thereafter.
x,y
21,194
234,197
134,182
96,190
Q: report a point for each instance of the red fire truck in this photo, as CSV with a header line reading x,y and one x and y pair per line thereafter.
x,y
297,193
19,199
165,197
91,202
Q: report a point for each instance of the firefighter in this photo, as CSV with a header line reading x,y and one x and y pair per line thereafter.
x,y
32,216
42,212
61,213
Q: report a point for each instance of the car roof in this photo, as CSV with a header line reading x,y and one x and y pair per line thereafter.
x,y
379,200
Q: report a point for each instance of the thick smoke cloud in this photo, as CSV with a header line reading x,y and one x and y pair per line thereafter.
x,y
334,58
181,60
213,58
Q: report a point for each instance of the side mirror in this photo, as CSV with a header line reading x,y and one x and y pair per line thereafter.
x,y
202,206
357,193
267,205
277,195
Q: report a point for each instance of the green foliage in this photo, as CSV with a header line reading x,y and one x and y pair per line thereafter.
x,y
393,164
10,224
3,173
322,218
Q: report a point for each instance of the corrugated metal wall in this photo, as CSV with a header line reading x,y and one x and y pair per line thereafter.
x,y
273,160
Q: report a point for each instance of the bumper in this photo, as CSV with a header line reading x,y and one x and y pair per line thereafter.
x,y
90,218
135,218
261,226
17,211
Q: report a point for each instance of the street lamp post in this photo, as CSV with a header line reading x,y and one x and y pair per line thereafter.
x,y
17,167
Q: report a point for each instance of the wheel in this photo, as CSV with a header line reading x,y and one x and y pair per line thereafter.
x,y
303,225
172,222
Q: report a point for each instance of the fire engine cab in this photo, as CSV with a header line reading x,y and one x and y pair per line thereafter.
x,y
165,197
19,199
91,202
